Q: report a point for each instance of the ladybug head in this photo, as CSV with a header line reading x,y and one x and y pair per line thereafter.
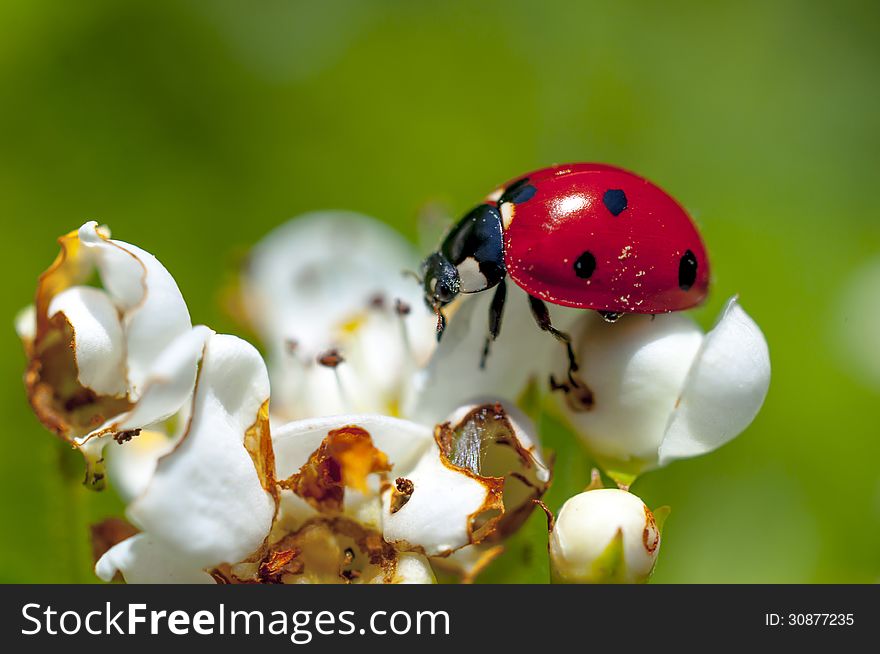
x,y
441,281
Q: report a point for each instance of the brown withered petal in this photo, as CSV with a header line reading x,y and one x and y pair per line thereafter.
x,y
258,443
345,457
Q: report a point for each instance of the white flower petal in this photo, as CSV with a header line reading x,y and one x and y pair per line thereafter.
x,y
206,501
118,334
330,280
724,390
167,385
131,465
154,312
142,560
453,376
635,369
313,273
98,340
443,510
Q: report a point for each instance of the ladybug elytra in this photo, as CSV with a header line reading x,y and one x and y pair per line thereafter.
x,y
583,235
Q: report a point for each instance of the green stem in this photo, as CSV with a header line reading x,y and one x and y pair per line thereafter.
x,y
74,521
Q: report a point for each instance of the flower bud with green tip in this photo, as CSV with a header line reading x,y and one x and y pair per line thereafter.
x,y
604,536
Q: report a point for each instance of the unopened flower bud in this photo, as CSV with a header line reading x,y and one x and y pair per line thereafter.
x,y
603,536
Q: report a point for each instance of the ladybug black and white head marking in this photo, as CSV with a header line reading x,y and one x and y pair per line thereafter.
x,y
507,198
470,259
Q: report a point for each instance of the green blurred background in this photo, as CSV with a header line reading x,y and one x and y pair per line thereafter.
x,y
193,127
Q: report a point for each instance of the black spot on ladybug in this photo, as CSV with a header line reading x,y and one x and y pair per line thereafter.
x,y
614,200
518,192
687,271
585,265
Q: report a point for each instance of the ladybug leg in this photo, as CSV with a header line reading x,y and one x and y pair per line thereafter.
x,y
577,393
542,317
496,312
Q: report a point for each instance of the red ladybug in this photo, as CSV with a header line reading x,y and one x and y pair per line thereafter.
x,y
580,235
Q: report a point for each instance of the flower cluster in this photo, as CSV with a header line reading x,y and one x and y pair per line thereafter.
x,y
383,455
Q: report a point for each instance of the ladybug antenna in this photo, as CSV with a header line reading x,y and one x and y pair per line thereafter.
x,y
413,274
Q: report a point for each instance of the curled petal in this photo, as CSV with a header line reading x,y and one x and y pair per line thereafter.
x,y
168,384
143,560
206,501
168,387
497,440
154,312
724,389
92,351
97,339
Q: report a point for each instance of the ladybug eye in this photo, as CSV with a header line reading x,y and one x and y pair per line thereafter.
x,y
585,265
687,271
614,200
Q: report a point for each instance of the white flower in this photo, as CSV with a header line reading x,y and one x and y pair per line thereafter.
x,y
334,282
361,493
654,389
211,499
106,362
361,498
604,536
194,458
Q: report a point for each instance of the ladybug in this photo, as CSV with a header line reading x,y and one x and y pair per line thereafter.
x,y
584,235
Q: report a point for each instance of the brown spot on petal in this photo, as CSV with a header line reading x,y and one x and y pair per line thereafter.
x,y
650,534
401,307
330,358
346,457
258,443
377,301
